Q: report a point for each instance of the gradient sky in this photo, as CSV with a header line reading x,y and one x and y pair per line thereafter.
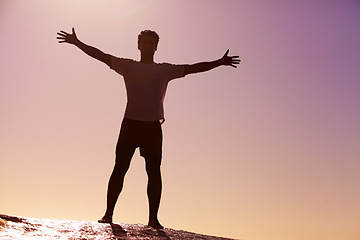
x,y
267,151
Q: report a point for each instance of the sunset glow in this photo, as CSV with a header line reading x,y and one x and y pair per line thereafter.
x,y
267,151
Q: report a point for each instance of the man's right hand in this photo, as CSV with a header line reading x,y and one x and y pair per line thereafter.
x,y
65,37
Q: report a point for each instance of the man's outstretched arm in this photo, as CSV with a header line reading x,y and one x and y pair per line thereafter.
x,y
65,37
206,66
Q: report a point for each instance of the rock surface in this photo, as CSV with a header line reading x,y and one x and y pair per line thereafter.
x,y
12,227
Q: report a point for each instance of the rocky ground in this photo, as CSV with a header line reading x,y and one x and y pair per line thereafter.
x,y
12,227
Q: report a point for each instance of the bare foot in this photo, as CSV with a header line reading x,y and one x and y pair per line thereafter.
x,y
155,224
105,219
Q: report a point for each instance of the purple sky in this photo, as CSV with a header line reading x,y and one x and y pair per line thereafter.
x,y
269,150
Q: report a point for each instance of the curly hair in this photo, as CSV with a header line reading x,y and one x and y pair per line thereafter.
x,y
150,33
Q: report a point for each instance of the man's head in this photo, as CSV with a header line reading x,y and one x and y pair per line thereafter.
x,y
148,41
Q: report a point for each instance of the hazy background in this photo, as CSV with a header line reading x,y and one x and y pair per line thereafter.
x,y
267,151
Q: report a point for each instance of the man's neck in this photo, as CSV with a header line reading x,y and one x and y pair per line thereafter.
x,y
147,59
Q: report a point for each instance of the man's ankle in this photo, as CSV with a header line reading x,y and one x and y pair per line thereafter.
x,y
107,218
154,223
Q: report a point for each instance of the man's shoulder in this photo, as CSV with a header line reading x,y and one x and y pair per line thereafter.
x,y
122,59
166,64
121,65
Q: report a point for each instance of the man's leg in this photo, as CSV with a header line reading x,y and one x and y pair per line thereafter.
x,y
124,151
151,150
114,189
154,192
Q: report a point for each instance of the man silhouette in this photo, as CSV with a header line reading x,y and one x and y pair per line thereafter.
x,y
146,83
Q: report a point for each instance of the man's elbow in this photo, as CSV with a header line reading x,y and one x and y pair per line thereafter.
x,y
189,69
106,58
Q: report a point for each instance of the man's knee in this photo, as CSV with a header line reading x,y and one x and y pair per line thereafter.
x,y
153,167
121,167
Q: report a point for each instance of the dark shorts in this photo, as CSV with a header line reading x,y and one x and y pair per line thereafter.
x,y
145,135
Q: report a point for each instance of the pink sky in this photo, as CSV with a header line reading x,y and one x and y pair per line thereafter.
x,y
267,151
